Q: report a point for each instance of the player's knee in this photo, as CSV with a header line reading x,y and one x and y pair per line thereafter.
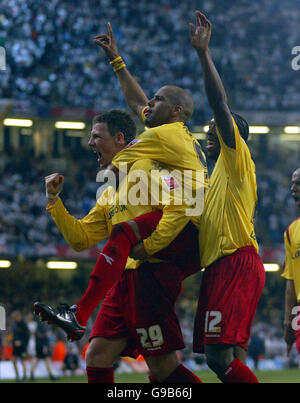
x,y
162,366
218,359
98,355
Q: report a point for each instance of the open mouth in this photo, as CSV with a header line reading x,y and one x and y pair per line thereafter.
x,y
99,155
148,112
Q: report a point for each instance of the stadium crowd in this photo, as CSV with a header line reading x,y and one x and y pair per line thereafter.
x,y
51,58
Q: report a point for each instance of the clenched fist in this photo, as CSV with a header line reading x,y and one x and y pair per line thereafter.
x,y
54,184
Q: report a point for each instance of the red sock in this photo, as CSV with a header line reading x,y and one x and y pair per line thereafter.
x,y
182,375
108,269
100,375
237,372
152,379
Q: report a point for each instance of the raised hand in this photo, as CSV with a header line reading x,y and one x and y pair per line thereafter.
x,y
54,185
200,35
108,43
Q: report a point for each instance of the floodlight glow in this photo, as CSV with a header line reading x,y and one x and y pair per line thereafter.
x,y
292,129
259,129
5,264
18,122
61,265
70,125
271,267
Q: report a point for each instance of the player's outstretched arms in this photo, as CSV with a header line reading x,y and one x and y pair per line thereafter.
x,y
133,93
215,92
54,184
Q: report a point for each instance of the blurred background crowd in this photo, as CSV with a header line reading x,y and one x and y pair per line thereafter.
x,y
27,230
52,58
52,62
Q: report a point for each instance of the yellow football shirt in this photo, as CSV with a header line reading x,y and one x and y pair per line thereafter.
x,y
143,190
291,270
174,146
227,222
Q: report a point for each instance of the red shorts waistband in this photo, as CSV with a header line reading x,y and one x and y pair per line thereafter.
x,y
244,250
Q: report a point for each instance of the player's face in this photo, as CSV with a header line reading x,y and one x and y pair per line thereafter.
x,y
159,111
105,145
212,142
295,188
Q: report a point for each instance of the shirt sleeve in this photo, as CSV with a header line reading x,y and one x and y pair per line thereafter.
x,y
288,272
237,161
83,233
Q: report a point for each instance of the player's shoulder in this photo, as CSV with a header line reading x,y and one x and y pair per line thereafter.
x,y
142,164
167,129
295,224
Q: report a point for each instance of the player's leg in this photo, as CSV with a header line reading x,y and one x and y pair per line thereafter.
x,y
220,359
151,319
220,356
110,265
240,353
109,338
168,369
100,357
228,299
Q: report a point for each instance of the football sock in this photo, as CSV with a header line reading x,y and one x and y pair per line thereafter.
x,y
237,372
100,375
182,375
108,269
152,379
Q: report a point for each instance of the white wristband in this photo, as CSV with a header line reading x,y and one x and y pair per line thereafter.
x,y
52,196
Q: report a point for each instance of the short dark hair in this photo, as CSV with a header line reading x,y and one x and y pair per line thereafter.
x,y
118,121
242,125
179,96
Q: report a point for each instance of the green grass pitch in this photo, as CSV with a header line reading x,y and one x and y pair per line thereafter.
x,y
284,376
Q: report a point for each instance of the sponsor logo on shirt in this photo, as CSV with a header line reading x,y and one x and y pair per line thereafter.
x,y
133,142
297,254
170,182
116,210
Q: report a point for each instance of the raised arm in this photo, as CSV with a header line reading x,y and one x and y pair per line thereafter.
x,y
133,93
79,234
215,92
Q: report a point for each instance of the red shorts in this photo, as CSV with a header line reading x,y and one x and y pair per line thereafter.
x,y
297,332
229,295
141,308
